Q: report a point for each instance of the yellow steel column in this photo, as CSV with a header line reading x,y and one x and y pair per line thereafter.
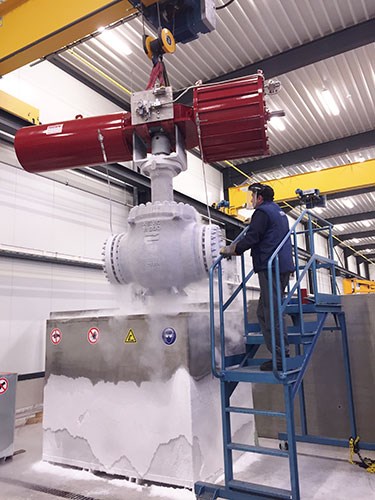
x,y
30,29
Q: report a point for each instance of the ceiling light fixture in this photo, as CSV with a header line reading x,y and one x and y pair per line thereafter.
x,y
328,102
348,203
115,42
361,158
278,123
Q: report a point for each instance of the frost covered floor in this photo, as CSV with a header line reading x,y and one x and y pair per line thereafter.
x,y
329,477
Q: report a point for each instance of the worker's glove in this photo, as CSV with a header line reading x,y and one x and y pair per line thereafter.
x,y
228,251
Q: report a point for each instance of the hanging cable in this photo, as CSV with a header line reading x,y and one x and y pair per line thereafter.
x,y
204,170
225,5
158,9
105,160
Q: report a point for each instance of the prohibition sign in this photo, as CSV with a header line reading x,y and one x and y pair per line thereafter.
x,y
4,384
93,335
55,336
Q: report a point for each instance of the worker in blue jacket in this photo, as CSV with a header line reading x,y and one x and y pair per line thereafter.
x,y
268,227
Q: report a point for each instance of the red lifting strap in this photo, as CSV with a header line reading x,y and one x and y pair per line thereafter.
x,y
157,73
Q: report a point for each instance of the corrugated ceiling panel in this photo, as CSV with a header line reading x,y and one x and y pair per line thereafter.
x,y
247,31
362,203
350,78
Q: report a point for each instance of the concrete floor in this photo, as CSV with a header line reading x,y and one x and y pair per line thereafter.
x,y
327,476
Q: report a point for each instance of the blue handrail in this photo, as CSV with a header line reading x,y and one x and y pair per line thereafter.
x,y
273,267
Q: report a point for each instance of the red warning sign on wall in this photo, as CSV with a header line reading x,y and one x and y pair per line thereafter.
x,y
93,335
4,384
55,336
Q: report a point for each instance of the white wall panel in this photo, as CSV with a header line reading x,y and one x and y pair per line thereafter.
x,y
29,291
339,256
192,183
39,213
56,94
352,264
321,247
48,215
372,272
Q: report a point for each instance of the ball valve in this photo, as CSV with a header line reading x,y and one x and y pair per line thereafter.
x,y
166,245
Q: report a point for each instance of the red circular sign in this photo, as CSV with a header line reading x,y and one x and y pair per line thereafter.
x,y
93,335
55,336
4,384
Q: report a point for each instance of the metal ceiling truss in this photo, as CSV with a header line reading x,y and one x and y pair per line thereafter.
x,y
353,217
364,247
359,234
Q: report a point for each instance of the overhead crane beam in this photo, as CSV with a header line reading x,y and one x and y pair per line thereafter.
x,y
317,151
331,180
31,29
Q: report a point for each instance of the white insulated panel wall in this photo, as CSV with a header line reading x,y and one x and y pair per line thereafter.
x,y
45,215
196,182
352,265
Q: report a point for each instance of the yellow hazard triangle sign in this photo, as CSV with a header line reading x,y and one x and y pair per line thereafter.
x,y
130,337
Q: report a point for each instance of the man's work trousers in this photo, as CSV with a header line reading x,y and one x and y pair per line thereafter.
x,y
263,310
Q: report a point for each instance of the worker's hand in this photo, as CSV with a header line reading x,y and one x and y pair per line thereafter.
x,y
228,251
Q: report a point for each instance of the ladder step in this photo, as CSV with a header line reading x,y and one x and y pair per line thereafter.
x,y
293,338
252,373
308,326
253,328
260,490
253,411
257,449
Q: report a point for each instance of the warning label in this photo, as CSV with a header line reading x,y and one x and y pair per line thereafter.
x,y
54,129
55,336
130,337
93,335
4,384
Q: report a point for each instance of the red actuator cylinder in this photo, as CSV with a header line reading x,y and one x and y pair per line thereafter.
x,y
74,143
232,118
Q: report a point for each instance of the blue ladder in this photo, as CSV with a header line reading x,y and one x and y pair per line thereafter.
x,y
232,370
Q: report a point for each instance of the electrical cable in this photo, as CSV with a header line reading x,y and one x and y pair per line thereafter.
x,y
225,5
99,71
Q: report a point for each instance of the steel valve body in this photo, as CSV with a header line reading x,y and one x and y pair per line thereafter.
x,y
166,246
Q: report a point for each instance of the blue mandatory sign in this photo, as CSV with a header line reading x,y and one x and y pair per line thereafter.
x,y
169,335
